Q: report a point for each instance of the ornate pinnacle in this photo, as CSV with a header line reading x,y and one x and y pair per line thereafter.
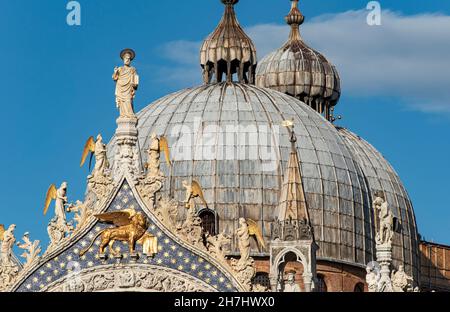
x,y
295,18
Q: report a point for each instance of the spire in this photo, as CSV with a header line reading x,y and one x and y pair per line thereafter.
x,y
228,50
292,204
294,19
293,228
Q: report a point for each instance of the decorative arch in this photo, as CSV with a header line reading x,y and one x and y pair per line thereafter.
x,y
303,255
359,287
129,278
188,265
321,284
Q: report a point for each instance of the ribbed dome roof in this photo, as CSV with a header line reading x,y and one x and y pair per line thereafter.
x,y
335,188
381,176
228,50
300,71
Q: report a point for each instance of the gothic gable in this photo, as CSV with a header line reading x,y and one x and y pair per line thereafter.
x,y
175,267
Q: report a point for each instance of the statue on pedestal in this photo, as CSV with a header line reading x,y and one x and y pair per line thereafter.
x,y
127,82
243,235
152,182
8,269
291,285
400,280
386,226
372,278
58,227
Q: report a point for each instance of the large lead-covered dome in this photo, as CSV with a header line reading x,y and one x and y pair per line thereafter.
x,y
228,137
381,176
245,184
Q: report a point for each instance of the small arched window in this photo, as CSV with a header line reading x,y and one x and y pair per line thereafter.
x,y
359,287
321,285
208,221
262,278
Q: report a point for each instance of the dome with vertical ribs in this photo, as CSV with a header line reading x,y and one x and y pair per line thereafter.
x,y
300,71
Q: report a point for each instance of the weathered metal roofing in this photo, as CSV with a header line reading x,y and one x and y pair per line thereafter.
x,y
380,176
228,50
300,71
335,187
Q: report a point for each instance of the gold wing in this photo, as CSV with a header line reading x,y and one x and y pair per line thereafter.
x,y
89,147
118,218
198,192
164,146
2,231
254,230
51,195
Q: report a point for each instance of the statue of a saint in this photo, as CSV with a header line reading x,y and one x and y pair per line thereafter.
x,y
400,280
291,285
8,269
127,82
8,241
154,157
101,161
372,279
243,235
386,231
60,203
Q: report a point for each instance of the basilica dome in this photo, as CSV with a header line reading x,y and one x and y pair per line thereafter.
x,y
380,176
197,123
228,136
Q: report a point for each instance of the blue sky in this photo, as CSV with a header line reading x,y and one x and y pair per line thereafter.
x,y
57,90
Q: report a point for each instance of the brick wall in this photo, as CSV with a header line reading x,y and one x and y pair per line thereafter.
x,y
338,277
435,267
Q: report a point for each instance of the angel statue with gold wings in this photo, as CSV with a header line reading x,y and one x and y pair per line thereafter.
x,y
157,145
247,228
7,239
98,149
60,198
58,226
193,190
8,269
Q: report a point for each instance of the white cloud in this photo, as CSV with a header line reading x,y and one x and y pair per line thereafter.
x,y
407,57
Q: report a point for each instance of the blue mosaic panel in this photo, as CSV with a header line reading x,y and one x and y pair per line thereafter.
x,y
170,254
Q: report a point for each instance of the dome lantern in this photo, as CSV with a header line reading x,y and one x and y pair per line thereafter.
x,y
299,71
228,50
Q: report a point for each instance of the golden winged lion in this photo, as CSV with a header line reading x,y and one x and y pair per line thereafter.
x,y
131,227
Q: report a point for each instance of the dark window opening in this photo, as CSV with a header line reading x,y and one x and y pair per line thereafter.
x,y
359,287
262,278
321,285
208,222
